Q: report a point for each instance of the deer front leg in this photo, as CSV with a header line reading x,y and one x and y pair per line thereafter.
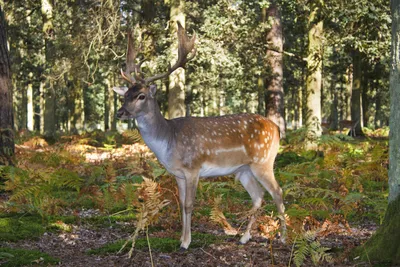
x,y
182,196
187,192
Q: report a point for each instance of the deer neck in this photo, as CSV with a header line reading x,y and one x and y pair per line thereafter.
x,y
157,133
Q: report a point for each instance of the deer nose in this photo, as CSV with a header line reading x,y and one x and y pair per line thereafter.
x,y
120,112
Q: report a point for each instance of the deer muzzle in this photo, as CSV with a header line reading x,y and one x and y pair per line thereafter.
x,y
122,113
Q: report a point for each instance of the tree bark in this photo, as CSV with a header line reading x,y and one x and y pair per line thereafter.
x,y
314,77
274,96
6,106
394,121
49,96
356,94
384,245
77,111
176,96
348,93
30,109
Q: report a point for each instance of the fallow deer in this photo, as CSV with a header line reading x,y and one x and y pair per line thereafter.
x,y
351,125
191,147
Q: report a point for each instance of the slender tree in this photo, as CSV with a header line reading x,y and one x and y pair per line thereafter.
x,y
274,95
385,244
48,94
176,93
356,94
314,74
6,107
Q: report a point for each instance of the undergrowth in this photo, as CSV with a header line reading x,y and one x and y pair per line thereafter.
x,y
10,257
344,181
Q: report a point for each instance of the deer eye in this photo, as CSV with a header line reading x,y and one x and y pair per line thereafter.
x,y
141,97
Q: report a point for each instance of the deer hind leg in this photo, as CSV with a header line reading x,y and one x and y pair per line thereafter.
x,y
256,193
265,175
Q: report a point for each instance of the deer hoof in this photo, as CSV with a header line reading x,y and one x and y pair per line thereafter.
x,y
245,238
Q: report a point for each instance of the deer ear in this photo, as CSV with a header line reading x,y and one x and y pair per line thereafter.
x,y
153,90
121,90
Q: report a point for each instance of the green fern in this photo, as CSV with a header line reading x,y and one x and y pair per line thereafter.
x,y
66,178
308,246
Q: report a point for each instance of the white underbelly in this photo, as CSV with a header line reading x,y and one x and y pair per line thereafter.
x,y
209,170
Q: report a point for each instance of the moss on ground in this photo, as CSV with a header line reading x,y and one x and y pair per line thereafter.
x,y
23,257
17,228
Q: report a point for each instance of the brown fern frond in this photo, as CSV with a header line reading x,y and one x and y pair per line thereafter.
x,y
149,191
217,216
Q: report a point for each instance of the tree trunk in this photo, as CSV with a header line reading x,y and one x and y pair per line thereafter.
x,y
188,101
349,89
24,108
176,96
385,244
77,112
30,110
378,108
314,78
364,97
356,101
261,96
6,106
334,116
394,122
274,101
49,123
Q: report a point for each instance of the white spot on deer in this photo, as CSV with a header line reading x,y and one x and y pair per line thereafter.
x,y
208,152
251,136
262,145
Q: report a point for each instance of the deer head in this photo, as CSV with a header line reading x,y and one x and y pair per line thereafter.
x,y
139,99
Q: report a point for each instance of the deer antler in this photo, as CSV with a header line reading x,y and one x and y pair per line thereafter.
x,y
185,46
131,54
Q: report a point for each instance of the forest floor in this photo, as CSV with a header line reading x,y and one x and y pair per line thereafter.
x,y
69,204
72,249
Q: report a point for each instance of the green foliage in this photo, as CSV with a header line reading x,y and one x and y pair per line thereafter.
x,y
22,227
110,139
22,257
377,133
306,245
34,191
340,182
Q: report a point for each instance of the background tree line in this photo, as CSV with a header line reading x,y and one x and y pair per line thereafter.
x,y
305,61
